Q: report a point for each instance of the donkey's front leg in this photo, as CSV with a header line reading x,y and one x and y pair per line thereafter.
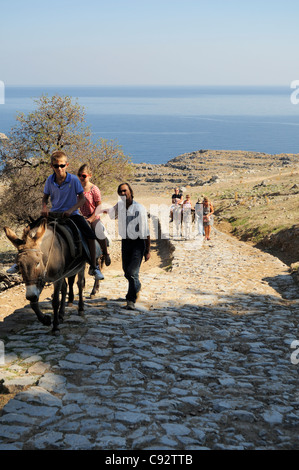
x,y
44,319
55,304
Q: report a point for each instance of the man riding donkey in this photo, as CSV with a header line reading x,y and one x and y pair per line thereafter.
x,y
54,252
67,196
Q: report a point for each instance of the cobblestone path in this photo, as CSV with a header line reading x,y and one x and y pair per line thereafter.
x,y
205,362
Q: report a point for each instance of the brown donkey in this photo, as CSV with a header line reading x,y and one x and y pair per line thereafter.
x,y
44,256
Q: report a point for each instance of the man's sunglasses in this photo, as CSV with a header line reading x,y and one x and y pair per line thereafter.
x,y
59,166
83,176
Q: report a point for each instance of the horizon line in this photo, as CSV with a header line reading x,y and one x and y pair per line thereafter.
x,y
142,85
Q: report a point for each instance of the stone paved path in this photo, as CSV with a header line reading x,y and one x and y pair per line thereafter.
x,y
203,363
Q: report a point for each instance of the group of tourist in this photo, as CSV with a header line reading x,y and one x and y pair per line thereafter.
x,y
184,211
76,197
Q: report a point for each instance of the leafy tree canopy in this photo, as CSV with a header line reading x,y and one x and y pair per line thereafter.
x,y
57,123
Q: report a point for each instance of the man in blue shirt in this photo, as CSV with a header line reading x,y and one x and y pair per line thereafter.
x,y
65,193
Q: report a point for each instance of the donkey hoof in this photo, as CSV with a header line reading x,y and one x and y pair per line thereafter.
x,y
81,313
56,332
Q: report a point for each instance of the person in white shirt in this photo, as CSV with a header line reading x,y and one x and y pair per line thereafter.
x,y
134,231
187,216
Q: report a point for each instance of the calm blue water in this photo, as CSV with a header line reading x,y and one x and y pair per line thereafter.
x,y
155,124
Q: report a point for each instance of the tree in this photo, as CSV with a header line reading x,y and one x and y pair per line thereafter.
x,y
56,124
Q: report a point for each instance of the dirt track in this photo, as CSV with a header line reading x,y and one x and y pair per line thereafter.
x,y
203,363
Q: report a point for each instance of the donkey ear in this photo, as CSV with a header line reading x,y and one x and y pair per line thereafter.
x,y
26,232
12,237
40,231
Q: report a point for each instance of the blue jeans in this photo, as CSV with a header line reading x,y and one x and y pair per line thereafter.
x,y
132,254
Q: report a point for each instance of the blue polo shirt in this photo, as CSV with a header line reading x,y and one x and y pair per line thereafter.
x,y
65,196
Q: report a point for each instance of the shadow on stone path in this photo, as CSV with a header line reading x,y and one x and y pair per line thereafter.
x,y
204,362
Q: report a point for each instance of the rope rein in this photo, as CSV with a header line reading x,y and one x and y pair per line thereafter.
x,y
51,247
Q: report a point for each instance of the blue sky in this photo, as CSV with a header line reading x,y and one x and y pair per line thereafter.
x,y
149,42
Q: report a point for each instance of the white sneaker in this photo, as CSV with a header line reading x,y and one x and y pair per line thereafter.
x,y
13,270
130,305
96,273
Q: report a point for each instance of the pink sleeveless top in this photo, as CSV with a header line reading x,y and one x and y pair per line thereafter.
x,y
92,196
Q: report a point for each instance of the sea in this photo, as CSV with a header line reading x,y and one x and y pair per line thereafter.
x,y
154,124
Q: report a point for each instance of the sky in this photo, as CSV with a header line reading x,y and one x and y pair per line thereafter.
x,y
149,42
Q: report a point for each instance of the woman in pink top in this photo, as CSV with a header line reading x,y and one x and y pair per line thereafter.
x,y
92,201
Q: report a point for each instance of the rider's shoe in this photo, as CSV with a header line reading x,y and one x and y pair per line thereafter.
x,y
14,269
96,272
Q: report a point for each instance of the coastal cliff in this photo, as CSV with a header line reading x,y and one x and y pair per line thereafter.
x,y
204,167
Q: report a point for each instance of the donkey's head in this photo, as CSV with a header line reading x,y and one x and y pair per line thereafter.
x,y
30,259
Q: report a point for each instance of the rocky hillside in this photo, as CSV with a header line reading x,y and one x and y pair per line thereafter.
x,y
256,195
205,167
